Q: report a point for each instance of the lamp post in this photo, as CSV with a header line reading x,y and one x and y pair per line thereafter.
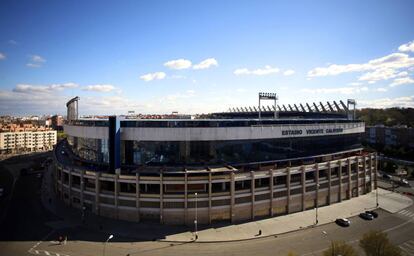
x,y
195,221
109,238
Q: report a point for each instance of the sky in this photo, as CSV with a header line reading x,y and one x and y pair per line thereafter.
x,y
202,56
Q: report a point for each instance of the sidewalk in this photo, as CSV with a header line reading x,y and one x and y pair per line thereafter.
x,y
388,201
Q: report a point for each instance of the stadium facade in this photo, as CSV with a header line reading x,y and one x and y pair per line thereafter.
x,y
229,166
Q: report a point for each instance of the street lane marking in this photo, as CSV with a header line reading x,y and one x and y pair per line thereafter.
x,y
403,211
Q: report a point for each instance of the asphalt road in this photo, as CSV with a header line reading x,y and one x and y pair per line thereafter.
x,y
26,231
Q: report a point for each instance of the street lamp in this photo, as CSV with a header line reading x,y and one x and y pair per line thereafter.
x,y
195,221
109,238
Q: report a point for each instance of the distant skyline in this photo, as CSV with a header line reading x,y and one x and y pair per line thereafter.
x,y
202,56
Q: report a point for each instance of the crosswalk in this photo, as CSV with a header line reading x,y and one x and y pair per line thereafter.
x,y
406,213
408,248
47,253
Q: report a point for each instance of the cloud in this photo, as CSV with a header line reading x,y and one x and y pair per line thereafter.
x,y
289,72
408,47
381,89
12,42
28,88
153,76
401,81
178,64
2,56
37,58
207,63
341,90
267,70
33,65
391,61
355,84
382,74
36,61
99,88
406,101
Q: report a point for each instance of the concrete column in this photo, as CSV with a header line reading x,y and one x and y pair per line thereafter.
x,y
116,193
271,185
288,189
329,183
232,197
70,187
349,179
253,194
317,186
137,196
185,197
161,198
97,192
357,169
82,188
376,171
340,180
62,173
209,196
303,181
364,165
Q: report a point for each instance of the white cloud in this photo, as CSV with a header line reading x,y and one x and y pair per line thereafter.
x,y
36,61
355,84
381,89
406,101
382,74
2,56
153,76
207,63
28,88
178,64
289,72
267,70
401,81
341,90
33,65
37,58
392,61
408,47
13,42
99,88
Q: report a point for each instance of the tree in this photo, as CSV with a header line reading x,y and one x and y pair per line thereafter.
x,y
376,243
340,248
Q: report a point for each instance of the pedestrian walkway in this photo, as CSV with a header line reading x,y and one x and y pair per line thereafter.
x,y
407,213
408,248
388,201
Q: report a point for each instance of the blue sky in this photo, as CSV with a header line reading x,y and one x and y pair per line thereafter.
x,y
202,56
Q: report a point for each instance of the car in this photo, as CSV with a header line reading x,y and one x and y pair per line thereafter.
x,y
386,176
404,182
343,222
366,216
374,214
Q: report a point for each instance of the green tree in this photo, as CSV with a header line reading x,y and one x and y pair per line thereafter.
x,y
340,248
376,243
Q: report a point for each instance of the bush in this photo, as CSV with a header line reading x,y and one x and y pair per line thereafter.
x,y
376,243
340,248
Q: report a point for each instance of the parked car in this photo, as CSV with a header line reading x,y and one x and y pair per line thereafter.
x,y
343,222
374,214
404,182
366,216
386,176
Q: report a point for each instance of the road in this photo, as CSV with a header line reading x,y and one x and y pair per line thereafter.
x,y
27,230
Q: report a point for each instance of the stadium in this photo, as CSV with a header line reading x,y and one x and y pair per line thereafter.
x,y
234,166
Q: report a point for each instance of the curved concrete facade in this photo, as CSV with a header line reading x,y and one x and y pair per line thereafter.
x,y
218,133
225,194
